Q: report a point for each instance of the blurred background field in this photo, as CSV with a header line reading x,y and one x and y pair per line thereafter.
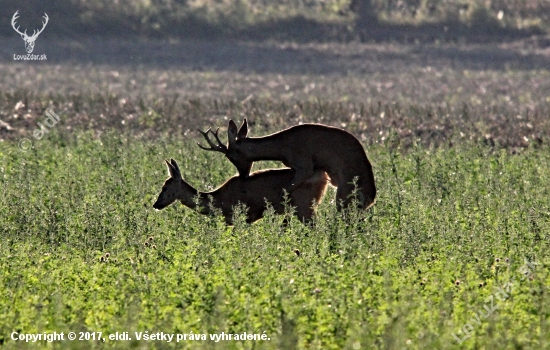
x,y
426,69
288,19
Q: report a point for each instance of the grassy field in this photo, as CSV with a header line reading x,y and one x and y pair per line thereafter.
x,y
454,255
451,226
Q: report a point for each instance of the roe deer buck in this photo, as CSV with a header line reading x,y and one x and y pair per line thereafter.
x,y
261,186
305,148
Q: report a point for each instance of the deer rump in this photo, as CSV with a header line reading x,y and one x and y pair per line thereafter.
x,y
266,186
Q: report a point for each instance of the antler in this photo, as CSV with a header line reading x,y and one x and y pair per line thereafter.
x,y
43,25
220,147
13,19
34,33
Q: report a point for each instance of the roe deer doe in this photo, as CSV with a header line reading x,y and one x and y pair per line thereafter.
x,y
305,148
253,192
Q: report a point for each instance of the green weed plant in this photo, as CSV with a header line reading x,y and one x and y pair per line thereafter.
x,y
83,250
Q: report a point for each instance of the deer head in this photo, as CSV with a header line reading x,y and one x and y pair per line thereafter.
x,y
29,40
233,151
172,188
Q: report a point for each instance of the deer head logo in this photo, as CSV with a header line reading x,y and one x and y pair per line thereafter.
x,y
29,40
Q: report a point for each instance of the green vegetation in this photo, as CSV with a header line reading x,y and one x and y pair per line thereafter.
x,y
454,255
451,226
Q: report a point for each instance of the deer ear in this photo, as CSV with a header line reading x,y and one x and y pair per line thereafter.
x,y
175,165
243,131
172,171
232,131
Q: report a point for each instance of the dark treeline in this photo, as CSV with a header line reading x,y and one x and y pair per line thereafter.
x,y
296,20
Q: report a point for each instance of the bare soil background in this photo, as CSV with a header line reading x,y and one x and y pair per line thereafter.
x,y
433,93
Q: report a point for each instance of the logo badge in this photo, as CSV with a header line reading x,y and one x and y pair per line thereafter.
x,y
29,39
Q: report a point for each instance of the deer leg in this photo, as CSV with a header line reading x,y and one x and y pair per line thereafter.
x,y
305,214
301,174
344,196
302,199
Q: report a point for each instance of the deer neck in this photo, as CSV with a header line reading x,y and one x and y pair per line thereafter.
x,y
189,198
188,195
262,148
